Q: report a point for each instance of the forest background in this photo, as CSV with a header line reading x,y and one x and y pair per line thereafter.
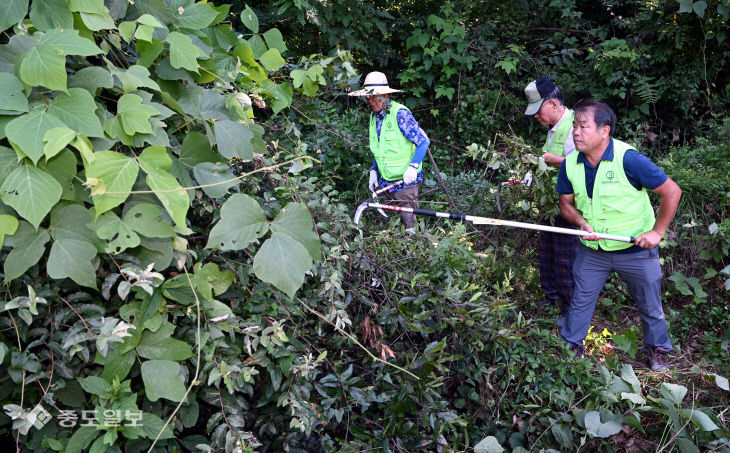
x,y
178,181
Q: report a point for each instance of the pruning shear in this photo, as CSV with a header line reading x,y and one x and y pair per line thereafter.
x,y
385,189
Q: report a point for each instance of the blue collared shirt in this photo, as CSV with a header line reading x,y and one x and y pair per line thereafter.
x,y
640,171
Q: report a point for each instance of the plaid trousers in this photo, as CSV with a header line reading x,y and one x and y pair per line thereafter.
x,y
556,254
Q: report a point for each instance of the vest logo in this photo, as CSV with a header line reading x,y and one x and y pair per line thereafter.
x,y
609,178
390,126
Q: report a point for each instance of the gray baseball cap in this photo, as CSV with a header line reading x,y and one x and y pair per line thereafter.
x,y
536,92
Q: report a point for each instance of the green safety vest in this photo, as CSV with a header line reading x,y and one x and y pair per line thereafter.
x,y
393,152
557,146
616,207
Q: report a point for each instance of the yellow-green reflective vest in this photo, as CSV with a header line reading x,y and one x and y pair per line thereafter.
x,y
616,207
393,152
557,146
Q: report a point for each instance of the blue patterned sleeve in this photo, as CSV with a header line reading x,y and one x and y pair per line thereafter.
x,y
410,128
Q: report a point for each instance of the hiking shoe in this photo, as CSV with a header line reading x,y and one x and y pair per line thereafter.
x,y
657,358
579,351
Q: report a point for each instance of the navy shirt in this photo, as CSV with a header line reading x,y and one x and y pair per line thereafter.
x,y
640,171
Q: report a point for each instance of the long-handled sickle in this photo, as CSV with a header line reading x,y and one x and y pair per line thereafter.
x,y
486,221
384,189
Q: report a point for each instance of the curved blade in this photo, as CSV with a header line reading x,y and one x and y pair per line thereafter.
x,y
359,212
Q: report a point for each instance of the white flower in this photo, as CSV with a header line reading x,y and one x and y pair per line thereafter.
x,y
180,10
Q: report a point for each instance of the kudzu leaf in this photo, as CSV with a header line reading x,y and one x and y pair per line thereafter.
x,y
183,53
162,380
27,131
44,65
12,97
72,258
31,192
233,139
28,247
12,12
216,178
295,221
278,249
242,222
118,173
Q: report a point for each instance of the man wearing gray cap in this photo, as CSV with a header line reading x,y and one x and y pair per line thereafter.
x,y
398,144
557,251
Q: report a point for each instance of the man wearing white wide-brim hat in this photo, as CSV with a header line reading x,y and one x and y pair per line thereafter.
x,y
398,144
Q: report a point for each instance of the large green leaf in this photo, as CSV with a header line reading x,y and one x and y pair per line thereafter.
x,y
134,77
63,168
147,220
149,51
27,131
159,345
183,53
281,93
608,427
152,427
72,258
196,149
157,9
8,162
249,19
296,222
197,16
8,226
96,22
44,65
257,44
120,235
11,12
70,43
272,60
81,438
218,178
76,109
156,163
134,115
56,140
162,380
275,40
233,139
87,6
12,97
489,444
49,14
91,78
116,173
278,249
71,221
242,222
31,192
28,247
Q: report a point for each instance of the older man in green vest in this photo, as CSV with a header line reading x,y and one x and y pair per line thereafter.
x,y
397,143
603,189
557,251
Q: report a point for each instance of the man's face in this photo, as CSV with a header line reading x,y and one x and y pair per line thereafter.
x,y
376,102
545,115
586,136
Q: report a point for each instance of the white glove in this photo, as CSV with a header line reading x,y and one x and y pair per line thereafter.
x,y
409,177
373,183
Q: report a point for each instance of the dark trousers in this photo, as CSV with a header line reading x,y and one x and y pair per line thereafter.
x,y
557,254
408,198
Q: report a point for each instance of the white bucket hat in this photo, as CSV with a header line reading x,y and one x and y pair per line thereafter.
x,y
375,83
